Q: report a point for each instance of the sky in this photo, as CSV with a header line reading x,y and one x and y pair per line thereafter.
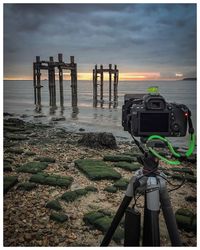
x,y
146,41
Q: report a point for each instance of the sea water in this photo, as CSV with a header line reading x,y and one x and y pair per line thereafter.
x,y
19,100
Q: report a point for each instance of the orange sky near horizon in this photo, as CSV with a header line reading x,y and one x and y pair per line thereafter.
x,y
124,76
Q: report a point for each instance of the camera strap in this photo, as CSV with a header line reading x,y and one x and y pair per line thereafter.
x,y
180,157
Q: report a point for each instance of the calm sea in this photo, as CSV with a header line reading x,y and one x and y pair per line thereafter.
x,y
19,99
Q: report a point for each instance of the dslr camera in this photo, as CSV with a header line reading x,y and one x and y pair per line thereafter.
x,y
149,114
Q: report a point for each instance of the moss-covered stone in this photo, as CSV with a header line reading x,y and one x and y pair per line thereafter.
x,y
121,184
52,180
190,178
7,167
15,151
116,158
90,217
26,186
97,169
102,223
73,195
54,204
91,189
9,182
59,217
191,198
17,137
186,219
110,189
187,177
128,166
183,170
29,153
45,159
33,167
13,129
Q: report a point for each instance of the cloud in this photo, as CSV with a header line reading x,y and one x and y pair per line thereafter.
x,y
134,36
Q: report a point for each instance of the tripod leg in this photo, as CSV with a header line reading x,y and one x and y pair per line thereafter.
x,y
169,216
118,216
151,233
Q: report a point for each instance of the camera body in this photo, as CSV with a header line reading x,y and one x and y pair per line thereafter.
x,y
148,114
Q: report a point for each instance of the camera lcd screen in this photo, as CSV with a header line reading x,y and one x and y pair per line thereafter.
x,y
154,122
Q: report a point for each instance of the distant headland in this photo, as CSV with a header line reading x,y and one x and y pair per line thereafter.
x,y
189,79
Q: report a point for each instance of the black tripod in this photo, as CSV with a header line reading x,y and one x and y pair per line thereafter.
x,y
152,183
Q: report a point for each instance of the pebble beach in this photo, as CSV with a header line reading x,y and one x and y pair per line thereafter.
x,y
56,214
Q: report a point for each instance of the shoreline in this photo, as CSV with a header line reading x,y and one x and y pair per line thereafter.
x,y
27,220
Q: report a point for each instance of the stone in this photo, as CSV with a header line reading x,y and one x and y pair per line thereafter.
x,y
186,219
52,180
29,153
73,195
54,204
128,166
59,217
17,137
121,184
191,199
26,186
33,167
102,222
45,159
7,167
97,169
9,182
183,170
116,158
15,151
98,140
110,189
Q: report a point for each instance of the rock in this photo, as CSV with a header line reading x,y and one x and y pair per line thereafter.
x,y
7,167
116,158
183,170
73,195
26,186
45,159
98,140
54,204
14,151
81,129
16,137
9,182
52,180
121,184
56,119
102,223
128,166
13,129
186,220
97,169
33,167
7,114
110,189
191,199
59,217
29,153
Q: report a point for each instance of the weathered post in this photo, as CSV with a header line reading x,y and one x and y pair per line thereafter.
x,y
73,81
60,60
51,82
115,85
110,82
95,86
101,84
38,80
34,82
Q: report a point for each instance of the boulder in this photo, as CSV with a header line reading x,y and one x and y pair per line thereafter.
x,y
98,140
